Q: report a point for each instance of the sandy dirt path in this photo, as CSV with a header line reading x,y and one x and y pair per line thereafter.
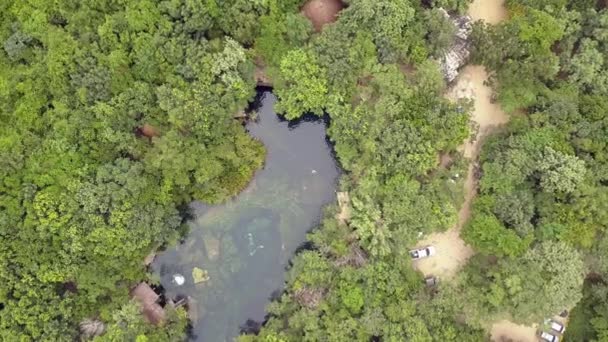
x,y
452,251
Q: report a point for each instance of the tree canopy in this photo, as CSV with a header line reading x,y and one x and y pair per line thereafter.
x,y
116,114
543,185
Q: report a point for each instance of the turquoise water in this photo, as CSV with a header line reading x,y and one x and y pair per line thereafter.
x,y
246,243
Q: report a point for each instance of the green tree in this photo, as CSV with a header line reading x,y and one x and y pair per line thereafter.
x,y
303,85
560,172
489,236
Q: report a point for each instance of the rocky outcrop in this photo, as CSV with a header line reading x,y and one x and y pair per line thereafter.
x,y
90,328
460,50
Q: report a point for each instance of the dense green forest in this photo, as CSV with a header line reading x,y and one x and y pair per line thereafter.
x,y
116,114
540,219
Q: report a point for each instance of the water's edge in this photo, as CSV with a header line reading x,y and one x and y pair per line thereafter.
x,y
245,245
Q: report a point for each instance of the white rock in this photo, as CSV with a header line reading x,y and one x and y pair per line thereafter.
x,y
459,52
179,279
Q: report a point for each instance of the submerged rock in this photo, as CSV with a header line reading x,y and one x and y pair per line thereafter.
x,y
212,246
199,275
458,54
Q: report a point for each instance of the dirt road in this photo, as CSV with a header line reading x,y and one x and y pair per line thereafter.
x,y
452,252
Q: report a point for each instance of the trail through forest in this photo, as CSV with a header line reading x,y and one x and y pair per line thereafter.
x,y
452,251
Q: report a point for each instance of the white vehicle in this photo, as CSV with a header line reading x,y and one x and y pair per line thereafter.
x,y
545,336
555,326
421,253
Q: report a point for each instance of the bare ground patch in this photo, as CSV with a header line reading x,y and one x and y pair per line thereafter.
x,y
491,11
322,12
505,331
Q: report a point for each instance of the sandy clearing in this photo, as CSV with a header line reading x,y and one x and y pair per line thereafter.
x,y
491,11
505,331
452,253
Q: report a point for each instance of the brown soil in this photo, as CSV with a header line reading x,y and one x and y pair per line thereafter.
x,y
149,131
322,12
445,160
261,77
504,331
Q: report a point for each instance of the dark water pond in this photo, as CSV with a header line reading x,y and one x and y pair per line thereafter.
x,y
245,244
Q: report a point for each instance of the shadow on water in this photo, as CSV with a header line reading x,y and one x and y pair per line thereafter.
x,y
245,244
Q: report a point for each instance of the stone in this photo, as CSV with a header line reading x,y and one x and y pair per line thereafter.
x,y
460,51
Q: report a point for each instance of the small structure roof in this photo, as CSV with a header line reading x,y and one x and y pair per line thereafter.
x,y
146,296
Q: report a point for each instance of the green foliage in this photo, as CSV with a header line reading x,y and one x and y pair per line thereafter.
x,y
280,32
543,179
441,31
387,21
518,51
459,6
489,236
588,319
560,172
129,325
303,85
114,115
536,285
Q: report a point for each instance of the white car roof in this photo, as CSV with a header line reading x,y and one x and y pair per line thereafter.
x,y
549,337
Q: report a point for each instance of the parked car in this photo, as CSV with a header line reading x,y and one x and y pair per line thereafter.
x,y
431,281
421,253
545,336
555,326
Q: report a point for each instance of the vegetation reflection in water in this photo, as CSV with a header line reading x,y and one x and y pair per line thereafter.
x,y
245,244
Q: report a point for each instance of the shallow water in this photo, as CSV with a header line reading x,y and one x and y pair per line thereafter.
x,y
245,244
